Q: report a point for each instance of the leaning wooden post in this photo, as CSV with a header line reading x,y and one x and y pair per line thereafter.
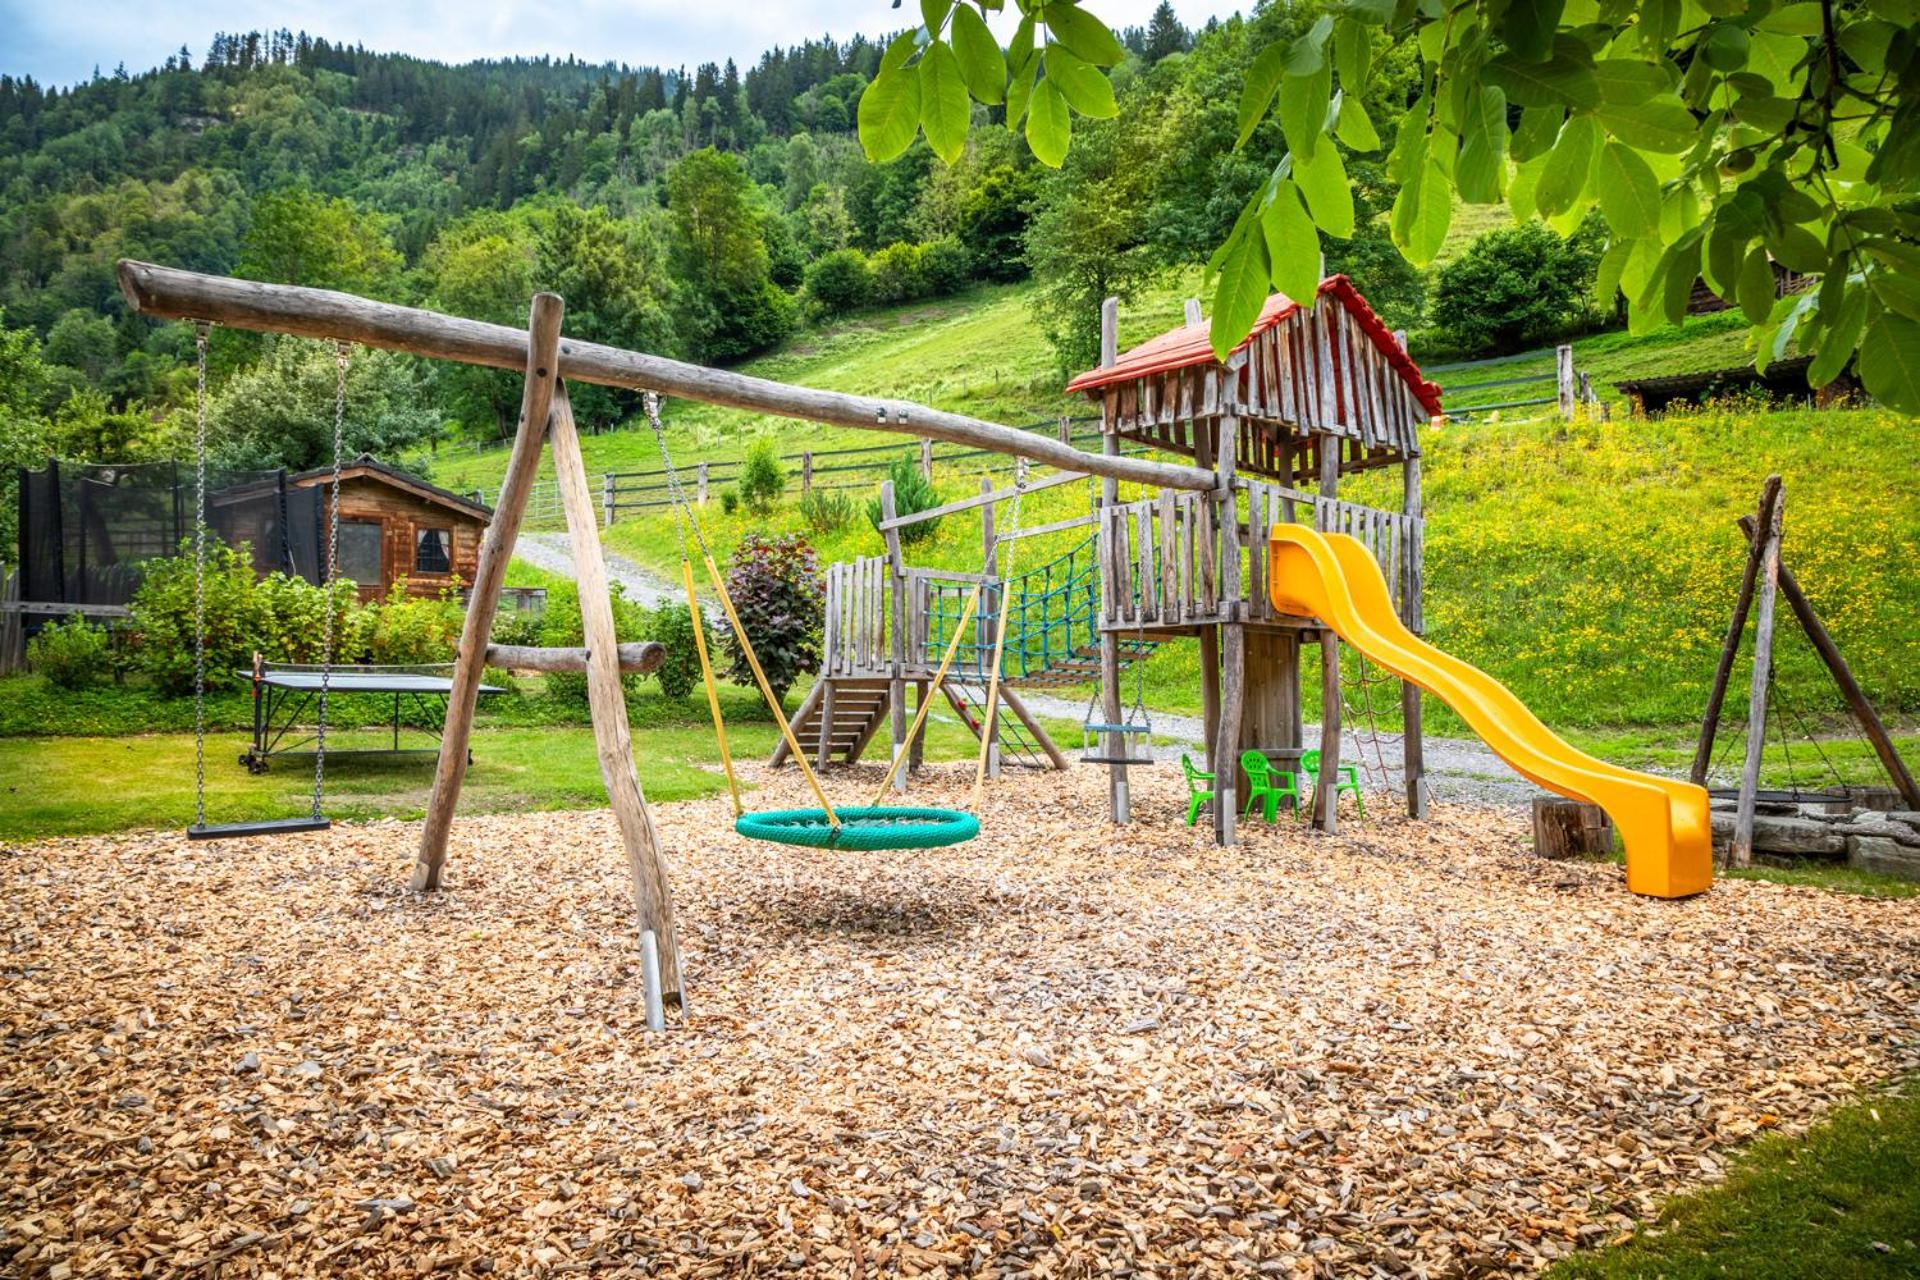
x,y
1730,647
607,701
1563,370
897,642
701,481
496,549
1119,793
1740,853
1233,631
1863,712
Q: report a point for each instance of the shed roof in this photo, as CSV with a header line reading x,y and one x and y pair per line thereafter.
x,y
1193,345
364,466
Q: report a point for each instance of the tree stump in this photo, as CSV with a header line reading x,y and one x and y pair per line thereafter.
x,y
1570,829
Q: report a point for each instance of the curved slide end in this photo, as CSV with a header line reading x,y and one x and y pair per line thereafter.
x,y
1663,823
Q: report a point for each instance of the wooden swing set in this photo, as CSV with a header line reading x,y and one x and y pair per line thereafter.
x,y
548,361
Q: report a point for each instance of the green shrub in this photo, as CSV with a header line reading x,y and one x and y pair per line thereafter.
x,y
762,478
827,510
899,273
729,501
162,617
945,266
515,626
71,654
776,589
672,625
408,629
1514,288
839,281
912,494
290,618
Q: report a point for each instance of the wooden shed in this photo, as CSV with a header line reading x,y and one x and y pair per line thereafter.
x,y
393,526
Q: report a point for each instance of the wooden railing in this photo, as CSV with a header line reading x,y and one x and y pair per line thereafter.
x,y
1160,557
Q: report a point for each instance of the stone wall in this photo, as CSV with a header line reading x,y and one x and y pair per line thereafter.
x,y
1888,843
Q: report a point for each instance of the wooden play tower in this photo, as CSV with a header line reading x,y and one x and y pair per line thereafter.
x,y
1316,392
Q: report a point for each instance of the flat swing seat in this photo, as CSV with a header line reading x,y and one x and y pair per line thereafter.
x,y
877,827
268,827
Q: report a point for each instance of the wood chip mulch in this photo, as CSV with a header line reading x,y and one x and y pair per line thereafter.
x,y
1062,1050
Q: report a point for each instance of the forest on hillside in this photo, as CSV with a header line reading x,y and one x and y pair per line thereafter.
x,y
704,214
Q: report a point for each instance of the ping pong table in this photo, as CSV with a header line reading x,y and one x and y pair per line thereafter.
x,y
281,695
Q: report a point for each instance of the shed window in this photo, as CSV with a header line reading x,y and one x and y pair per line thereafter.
x,y
433,551
359,553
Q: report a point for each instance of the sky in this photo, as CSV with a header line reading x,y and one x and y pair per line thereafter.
x,y
60,43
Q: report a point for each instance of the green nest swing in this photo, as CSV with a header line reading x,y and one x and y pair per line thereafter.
x,y
875,826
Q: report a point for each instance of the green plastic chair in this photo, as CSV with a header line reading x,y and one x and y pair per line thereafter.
x,y
1348,780
1268,786
1197,796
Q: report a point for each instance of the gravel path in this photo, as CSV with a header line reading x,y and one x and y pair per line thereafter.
x,y
1459,769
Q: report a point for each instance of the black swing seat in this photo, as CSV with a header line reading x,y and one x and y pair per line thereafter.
x,y
267,827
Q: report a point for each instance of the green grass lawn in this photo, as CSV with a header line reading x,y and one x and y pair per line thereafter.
x,y
1840,1203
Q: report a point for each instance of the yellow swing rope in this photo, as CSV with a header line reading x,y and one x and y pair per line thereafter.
x,y
989,725
683,510
926,700
706,675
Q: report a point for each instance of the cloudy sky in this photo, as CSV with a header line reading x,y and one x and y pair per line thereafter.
x,y
61,42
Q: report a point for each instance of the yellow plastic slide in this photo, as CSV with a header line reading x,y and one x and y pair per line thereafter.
x,y
1663,823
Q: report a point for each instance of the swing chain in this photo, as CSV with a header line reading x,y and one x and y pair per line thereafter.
x,y
200,578
341,354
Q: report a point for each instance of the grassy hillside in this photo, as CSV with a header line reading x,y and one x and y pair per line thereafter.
x,y
1590,566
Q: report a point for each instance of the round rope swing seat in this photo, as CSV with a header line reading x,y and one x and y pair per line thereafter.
x,y
873,827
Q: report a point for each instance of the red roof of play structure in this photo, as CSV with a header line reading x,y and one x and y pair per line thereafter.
x,y
1192,345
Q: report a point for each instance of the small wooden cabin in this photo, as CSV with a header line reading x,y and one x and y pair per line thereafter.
x,y
1784,383
1314,393
393,526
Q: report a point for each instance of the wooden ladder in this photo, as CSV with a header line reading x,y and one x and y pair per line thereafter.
x,y
848,715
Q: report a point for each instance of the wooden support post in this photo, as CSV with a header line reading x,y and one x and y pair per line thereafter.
x,y
1210,693
1563,371
1065,430
896,637
1740,853
1191,312
1233,632
1730,647
926,460
1041,738
823,750
1412,743
496,549
1113,745
781,751
606,498
1863,712
1326,803
701,483
917,749
607,700
806,473
13,656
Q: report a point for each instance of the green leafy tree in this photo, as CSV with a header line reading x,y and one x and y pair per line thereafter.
x,y
1717,140
613,273
762,478
279,412
484,273
23,431
301,237
85,342
729,305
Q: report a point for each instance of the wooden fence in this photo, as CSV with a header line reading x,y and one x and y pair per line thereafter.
x,y
1565,388
631,492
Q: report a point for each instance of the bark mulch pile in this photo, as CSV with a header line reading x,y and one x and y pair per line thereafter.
x,y
1060,1050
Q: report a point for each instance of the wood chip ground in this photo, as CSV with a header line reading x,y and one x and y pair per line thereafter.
x,y
1062,1050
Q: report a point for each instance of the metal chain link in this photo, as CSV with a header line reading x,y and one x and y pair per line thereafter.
x,y
200,580
341,353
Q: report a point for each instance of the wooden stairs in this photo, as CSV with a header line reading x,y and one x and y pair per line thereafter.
x,y
851,713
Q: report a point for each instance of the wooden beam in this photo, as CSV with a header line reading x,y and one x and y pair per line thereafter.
x,y
896,636
321,313
607,700
637,658
1114,746
985,498
1863,712
1740,853
1040,736
1730,647
540,349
